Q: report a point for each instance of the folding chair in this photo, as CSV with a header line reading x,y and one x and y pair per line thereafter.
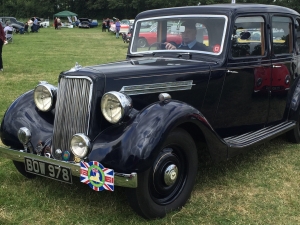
x,y
9,36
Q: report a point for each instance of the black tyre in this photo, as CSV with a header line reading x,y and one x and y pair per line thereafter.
x,y
20,166
142,42
168,184
294,135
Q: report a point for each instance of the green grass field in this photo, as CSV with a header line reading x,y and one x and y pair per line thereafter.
x,y
259,187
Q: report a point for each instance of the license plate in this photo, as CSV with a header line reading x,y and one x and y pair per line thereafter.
x,y
48,170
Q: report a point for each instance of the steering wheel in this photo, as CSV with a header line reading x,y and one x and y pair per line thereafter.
x,y
159,45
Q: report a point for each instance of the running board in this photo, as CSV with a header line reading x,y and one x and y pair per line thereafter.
x,y
257,136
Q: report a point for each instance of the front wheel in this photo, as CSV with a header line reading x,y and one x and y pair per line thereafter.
x,y
142,42
167,185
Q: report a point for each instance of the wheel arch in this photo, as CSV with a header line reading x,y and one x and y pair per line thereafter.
x,y
23,113
199,139
133,146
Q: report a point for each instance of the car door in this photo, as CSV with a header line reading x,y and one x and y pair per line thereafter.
x,y
298,46
244,101
284,65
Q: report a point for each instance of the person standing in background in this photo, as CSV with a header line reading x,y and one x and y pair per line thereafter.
x,y
108,24
2,41
118,26
58,23
8,27
103,25
55,23
35,25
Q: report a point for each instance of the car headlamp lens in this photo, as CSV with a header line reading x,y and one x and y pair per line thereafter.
x,y
44,97
115,105
80,145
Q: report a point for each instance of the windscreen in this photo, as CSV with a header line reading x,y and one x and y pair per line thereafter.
x,y
200,33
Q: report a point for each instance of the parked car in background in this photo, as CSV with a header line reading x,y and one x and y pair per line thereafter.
x,y
14,23
45,23
12,20
144,122
94,23
66,25
125,21
83,23
149,38
86,23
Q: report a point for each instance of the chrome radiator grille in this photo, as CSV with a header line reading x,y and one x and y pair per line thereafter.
x,y
72,111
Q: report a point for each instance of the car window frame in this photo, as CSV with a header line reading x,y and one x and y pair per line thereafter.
x,y
266,35
297,35
291,36
222,44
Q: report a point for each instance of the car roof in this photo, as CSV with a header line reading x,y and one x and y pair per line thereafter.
x,y
8,17
216,9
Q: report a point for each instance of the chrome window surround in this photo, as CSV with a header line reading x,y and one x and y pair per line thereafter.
x,y
183,16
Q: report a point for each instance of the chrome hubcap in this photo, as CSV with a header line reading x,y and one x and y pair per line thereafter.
x,y
170,174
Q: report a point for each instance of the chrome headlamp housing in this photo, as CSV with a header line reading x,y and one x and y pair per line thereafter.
x,y
24,135
80,145
115,106
44,96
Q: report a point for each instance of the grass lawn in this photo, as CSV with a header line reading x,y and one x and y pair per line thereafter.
x,y
259,187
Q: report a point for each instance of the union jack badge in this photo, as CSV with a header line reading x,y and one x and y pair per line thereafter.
x,y
97,176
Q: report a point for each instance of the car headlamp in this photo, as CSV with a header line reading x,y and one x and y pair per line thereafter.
x,y
24,135
80,145
44,96
115,106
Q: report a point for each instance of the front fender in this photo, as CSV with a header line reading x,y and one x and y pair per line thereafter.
x,y
133,146
23,113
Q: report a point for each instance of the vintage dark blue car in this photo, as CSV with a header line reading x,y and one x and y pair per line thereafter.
x,y
86,23
141,123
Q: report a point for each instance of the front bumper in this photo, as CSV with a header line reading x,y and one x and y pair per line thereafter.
x,y
120,179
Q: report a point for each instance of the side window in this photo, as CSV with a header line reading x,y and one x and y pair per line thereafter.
x,y
282,35
248,38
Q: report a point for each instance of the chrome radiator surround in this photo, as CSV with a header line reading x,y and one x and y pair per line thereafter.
x,y
72,111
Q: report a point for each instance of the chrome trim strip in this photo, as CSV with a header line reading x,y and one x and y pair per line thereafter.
x,y
157,87
121,179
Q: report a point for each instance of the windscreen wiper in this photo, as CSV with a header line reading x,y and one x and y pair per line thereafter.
x,y
140,55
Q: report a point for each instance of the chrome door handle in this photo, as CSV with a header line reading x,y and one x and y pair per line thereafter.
x,y
276,66
231,71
